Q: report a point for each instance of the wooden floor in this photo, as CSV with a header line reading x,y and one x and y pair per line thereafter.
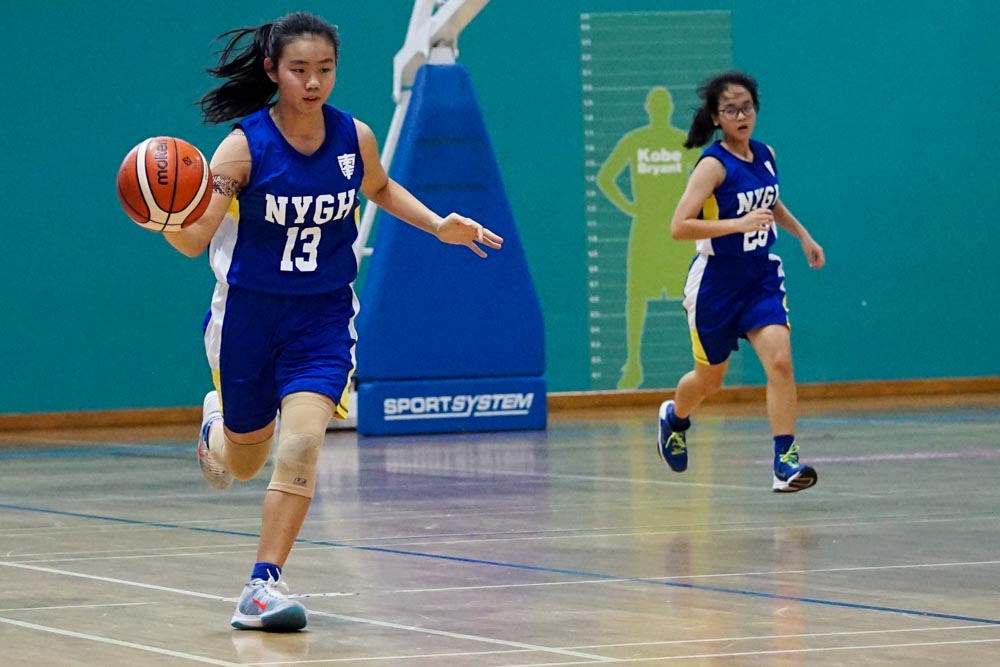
x,y
574,546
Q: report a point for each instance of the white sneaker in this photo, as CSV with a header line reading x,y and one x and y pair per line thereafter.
x,y
264,605
213,472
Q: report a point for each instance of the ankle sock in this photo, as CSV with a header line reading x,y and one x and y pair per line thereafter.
x,y
676,423
264,570
782,443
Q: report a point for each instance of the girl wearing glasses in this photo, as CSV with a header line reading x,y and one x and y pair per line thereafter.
x,y
735,286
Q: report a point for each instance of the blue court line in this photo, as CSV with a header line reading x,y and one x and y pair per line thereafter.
x,y
525,567
70,451
761,423
750,423
742,424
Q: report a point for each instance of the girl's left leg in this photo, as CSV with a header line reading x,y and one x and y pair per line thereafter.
x,y
264,604
774,349
772,343
304,418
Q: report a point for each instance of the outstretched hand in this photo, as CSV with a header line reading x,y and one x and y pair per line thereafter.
x,y
459,230
814,253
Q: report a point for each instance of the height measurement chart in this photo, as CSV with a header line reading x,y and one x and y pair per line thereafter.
x,y
639,73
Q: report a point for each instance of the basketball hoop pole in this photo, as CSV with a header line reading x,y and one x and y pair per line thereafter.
x,y
432,37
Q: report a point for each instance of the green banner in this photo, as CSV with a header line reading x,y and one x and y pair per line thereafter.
x,y
640,72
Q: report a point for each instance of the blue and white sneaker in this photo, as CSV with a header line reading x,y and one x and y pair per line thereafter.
x,y
671,445
264,605
213,472
790,475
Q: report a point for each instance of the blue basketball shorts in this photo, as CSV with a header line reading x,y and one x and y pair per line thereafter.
x,y
262,347
725,297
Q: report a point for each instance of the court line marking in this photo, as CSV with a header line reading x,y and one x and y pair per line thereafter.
x,y
717,575
750,524
146,450
460,635
476,538
801,635
118,642
356,619
772,652
765,573
555,533
512,536
68,450
479,538
124,582
416,656
77,606
81,554
696,587
532,568
629,480
745,423
631,645
962,454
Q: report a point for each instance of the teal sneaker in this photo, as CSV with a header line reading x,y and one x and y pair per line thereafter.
x,y
264,605
671,445
790,475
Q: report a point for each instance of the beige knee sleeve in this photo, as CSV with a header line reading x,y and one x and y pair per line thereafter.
x,y
304,418
242,461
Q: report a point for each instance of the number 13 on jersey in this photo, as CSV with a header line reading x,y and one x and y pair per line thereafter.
x,y
301,248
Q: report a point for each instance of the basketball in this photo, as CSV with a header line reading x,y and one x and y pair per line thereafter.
x,y
164,184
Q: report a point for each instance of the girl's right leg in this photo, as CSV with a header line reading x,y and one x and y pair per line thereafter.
x,y
224,454
238,337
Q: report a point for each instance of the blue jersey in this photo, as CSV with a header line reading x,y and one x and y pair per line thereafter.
x,y
297,216
747,186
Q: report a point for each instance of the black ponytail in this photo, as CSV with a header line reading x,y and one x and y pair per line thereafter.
x,y
702,128
248,87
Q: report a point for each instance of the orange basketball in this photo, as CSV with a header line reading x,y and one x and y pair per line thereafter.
x,y
164,184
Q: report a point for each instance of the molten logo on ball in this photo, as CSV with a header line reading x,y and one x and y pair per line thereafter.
x,y
164,184
160,155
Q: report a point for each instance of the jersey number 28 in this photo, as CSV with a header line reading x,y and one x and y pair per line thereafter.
x,y
753,240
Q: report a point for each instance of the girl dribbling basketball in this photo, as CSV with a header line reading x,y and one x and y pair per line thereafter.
x,y
280,228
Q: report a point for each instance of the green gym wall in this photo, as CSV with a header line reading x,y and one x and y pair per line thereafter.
x,y
883,115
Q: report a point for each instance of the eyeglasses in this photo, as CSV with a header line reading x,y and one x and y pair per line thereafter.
x,y
732,113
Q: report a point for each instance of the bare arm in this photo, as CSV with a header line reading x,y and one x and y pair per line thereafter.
x,y
230,173
686,225
396,200
812,250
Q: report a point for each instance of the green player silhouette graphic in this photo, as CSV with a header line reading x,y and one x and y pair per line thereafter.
x,y
658,170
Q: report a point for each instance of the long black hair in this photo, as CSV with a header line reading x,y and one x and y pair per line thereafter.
x,y
702,125
241,62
